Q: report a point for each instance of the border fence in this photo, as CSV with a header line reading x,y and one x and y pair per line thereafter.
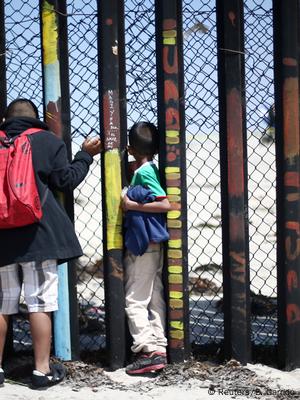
x,y
208,74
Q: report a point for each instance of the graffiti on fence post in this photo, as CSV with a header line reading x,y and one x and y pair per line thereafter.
x,y
172,154
233,160
113,127
287,140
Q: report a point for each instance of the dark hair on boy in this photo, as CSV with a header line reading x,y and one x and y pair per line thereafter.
x,y
144,138
11,110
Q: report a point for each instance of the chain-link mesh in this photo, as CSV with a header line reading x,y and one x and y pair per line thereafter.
x,y
84,95
203,170
202,131
261,169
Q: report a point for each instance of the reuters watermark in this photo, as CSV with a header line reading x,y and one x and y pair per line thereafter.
x,y
251,392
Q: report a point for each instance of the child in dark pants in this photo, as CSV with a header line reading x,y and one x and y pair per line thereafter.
x,y
38,248
145,305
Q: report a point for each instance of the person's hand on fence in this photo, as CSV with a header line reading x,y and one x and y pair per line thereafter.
x,y
92,146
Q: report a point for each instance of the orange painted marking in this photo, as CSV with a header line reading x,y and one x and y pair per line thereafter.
x,y
293,313
292,280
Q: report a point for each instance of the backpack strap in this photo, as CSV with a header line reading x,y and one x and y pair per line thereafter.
x,y
30,131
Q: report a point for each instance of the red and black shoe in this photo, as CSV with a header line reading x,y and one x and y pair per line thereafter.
x,y
147,362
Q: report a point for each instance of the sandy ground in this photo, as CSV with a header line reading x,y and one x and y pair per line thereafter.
x,y
275,384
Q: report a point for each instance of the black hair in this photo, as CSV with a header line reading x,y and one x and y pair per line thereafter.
x,y
10,108
144,138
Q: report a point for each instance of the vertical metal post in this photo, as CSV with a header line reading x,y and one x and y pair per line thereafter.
x,y
57,116
173,160
286,63
3,88
113,128
233,155
3,103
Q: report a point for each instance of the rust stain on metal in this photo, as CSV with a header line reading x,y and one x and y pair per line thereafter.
x,y
291,117
169,24
232,17
235,144
289,62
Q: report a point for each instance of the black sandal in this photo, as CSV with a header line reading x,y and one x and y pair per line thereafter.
x,y
56,375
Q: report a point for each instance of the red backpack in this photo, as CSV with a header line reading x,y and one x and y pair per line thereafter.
x,y
20,203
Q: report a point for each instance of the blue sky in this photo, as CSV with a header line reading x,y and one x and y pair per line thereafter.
x,y
24,69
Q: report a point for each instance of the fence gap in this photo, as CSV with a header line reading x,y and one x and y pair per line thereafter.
x,y
113,127
233,158
286,37
172,157
56,111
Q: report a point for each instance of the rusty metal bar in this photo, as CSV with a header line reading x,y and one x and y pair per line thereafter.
x,y
171,125
286,64
113,128
233,156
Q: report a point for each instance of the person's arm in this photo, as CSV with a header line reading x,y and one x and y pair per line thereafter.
x,y
67,176
159,206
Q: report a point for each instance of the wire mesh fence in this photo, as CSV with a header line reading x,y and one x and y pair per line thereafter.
x,y
261,169
24,79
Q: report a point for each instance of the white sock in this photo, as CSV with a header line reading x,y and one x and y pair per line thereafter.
x,y
38,373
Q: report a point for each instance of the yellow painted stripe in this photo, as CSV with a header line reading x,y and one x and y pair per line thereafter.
x,y
171,41
174,253
176,303
176,295
175,278
175,243
177,334
174,223
171,170
174,199
113,188
170,133
173,176
175,269
50,33
172,140
169,33
173,190
174,214
177,325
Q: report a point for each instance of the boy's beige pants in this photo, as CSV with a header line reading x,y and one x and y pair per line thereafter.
x,y
145,305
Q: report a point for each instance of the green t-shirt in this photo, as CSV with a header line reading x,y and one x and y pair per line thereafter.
x,y
148,175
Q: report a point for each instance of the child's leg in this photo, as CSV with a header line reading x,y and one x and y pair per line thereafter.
x,y
10,290
41,330
140,272
41,292
3,331
157,309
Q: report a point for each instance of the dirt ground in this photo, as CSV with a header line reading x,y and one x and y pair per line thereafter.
x,y
191,380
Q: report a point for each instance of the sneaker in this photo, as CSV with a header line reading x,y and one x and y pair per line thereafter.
x,y
1,376
147,362
56,375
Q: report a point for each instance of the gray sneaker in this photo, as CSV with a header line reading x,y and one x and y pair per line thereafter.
x,y
147,362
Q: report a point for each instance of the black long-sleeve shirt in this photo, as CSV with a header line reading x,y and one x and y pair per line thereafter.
x,y
54,236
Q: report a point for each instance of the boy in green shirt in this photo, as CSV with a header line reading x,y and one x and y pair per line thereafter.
x,y
145,305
